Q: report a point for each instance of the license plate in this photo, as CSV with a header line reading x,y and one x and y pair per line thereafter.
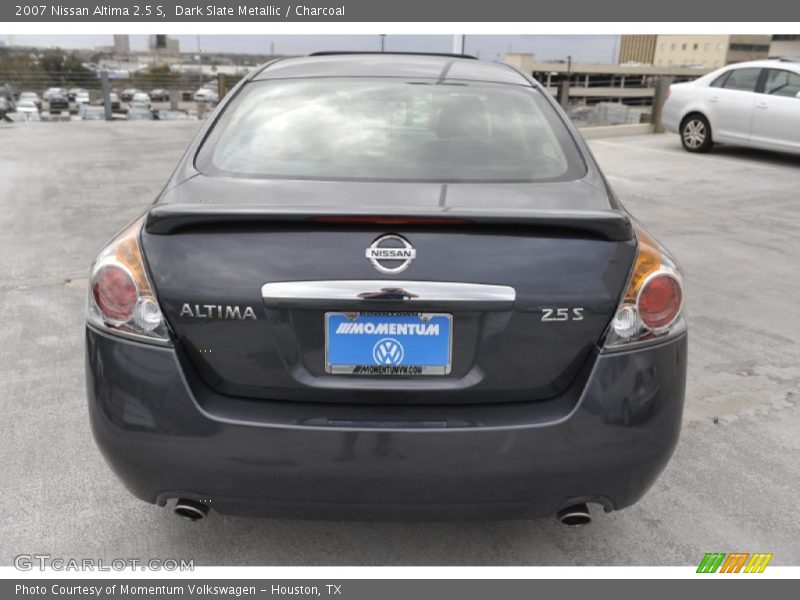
x,y
388,343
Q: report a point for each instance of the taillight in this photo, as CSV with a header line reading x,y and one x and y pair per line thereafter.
x,y
114,292
121,299
659,300
652,307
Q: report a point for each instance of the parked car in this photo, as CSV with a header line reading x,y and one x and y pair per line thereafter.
x,y
748,104
159,95
57,104
140,99
127,94
82,97
27,106
206,95
423,298
33,97
27,111
54,91
115,103
73,93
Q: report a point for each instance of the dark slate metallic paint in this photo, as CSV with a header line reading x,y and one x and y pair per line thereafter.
x,y
508,354
577,205
167,435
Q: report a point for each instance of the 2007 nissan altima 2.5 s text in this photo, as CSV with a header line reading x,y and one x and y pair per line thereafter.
x,y
384,286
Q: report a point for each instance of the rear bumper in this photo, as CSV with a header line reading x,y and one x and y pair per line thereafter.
x,y
166,436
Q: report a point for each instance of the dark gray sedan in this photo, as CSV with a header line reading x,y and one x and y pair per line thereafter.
x,y
386,285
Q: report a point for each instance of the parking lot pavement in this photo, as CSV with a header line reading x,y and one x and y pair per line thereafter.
x,y
731,217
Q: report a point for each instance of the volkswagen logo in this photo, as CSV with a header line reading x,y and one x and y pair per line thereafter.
x,y
391,254
387,351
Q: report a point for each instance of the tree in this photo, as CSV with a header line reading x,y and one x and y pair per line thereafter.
x,y
157,77
65,69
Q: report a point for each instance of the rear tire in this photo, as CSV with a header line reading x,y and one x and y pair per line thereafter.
x,y
696,133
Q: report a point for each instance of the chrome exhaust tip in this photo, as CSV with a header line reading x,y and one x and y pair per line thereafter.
x,y
574,515
189,509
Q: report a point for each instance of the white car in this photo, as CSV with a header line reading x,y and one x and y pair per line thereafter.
x,y
27,111
54,91
206,95
140,99
27,106
33,97
82,98
749,104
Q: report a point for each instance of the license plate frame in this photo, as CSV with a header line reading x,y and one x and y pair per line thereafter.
x,y
414,359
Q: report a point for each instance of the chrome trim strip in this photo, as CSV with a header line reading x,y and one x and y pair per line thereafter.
x,y
368,290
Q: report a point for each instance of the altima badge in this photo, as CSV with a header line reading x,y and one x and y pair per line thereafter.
x,y
218,311
391,254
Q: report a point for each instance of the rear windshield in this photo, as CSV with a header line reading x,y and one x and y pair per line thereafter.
x,y
390,130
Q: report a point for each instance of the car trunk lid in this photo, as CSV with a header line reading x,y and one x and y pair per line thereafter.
x,y
248,273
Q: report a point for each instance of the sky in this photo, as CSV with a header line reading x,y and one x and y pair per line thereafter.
x,y
582,48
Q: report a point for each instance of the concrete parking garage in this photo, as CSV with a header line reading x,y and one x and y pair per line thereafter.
x,y
732,218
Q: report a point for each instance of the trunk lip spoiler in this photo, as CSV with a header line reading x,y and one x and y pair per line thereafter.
x,y
165,219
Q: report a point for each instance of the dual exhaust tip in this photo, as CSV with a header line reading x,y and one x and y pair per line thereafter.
x,y
571,516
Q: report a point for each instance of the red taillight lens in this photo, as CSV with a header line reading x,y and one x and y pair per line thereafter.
x,y
659,301
115,292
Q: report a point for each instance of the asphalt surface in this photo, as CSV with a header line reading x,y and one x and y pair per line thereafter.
x,y
731,217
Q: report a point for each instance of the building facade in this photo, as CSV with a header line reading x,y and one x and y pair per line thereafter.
x,y
637,49
163,49
785,46
709,51
122,45
523,62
